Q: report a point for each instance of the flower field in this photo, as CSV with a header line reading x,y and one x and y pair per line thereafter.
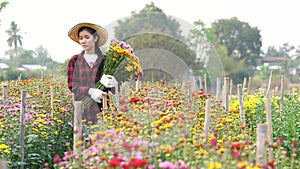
x,y
159,126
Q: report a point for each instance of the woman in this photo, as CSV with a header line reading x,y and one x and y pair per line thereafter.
x,y
85,68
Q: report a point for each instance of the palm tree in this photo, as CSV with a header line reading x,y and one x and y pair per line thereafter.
x,y
3,5
14,37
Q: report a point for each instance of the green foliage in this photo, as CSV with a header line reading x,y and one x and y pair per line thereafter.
x,y
149,19
45,134
287,123
42,55
240,38
38,57
160,41
150,28
201,39
233,67
11,74
14,36
3,5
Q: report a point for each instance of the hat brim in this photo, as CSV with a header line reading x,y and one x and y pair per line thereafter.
x,y
101,32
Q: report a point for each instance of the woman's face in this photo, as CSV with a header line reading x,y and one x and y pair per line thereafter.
x,y
87,41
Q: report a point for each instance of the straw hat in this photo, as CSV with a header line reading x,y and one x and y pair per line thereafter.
x,y
102,33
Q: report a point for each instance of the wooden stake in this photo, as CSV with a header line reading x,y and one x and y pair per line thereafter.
x,y
249,83
226,87
104,101
3,163
230,90
241,104
201,85
194,84
117,94
77,125
207,119
218,92
276,90
38,88
137,85
244,84
5,94
20,77
205,84
51,99
269,120
22,127
260,144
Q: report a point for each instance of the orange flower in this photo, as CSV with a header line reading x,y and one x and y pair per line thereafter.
x,y
157,132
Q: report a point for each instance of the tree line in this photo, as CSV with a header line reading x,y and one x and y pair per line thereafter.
x,y
235,44
18,56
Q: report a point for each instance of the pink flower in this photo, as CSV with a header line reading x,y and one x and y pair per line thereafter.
x,y
167,165
294,144
151,166
56,159
280,140
213,142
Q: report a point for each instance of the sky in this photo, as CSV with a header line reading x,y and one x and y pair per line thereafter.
x,y
47,22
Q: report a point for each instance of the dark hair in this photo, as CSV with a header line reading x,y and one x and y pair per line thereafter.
x,y
94,33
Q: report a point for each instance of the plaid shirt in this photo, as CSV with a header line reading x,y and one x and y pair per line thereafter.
x,y
81,77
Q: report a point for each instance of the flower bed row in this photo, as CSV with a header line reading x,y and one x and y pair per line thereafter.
x,y
153,127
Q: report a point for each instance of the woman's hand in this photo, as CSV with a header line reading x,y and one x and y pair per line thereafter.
x,y
96,94
108,81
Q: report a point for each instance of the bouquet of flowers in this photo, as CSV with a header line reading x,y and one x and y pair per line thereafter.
x,y
120,58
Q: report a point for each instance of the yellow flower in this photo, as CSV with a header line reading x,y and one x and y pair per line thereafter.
x,y
6,151
129,68
165,147
221,150
3,146
255,167
44,133
202,152
214,165
241,164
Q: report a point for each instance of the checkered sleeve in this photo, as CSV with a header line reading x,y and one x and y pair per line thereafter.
x,y
74,78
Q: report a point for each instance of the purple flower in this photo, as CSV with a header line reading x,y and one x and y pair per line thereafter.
x,y
28,116
213,142
167,165
151,166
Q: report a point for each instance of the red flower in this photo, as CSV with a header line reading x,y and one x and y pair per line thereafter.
x,y
237,146
115,162
134,99
126,166
121,101
124,109
294,144
138,163
271,164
